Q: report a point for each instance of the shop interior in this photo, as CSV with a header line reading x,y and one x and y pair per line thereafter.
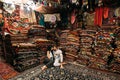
x,y
86,31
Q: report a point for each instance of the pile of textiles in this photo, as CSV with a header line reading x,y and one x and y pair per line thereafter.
x,y
19,38
92,48
117,43
86,46
102,49
42,44
116,62
37,32
26,56
69,41
30,48
91,27
115,67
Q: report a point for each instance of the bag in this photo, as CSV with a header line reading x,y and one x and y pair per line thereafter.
x,y
52,58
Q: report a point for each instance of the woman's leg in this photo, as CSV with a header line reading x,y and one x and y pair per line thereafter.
x,y
46,61
48,65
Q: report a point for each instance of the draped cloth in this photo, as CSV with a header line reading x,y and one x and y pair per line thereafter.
x,y
30,14
98,16
106,11
73,17
74,20
90,19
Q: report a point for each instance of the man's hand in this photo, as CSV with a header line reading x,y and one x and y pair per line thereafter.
x,y
61,66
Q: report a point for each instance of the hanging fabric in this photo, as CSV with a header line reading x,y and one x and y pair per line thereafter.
x,y
117,12
45,3
98,16
27,12
23,12
73,17
84,5
96,2
1,15
32,17
9,7
90,19
105,11
91,4
41,20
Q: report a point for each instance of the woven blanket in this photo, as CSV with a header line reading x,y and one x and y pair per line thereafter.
x,y
71,71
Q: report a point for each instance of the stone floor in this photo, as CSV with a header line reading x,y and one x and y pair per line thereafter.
x,y
71,71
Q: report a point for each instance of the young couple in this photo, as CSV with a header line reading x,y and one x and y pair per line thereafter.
x,y
54,57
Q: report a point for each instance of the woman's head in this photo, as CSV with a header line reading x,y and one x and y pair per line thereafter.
x,y
49,48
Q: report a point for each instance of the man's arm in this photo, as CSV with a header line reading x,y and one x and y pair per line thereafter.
x,y
61,60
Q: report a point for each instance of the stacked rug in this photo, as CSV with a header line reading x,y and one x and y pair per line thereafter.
x,y
69,41
102,49
42,44
26,56
116,62
6,72
86,46
18,38
29,48
37,32
96,48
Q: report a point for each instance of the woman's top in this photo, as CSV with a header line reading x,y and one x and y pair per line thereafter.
x,y
50,55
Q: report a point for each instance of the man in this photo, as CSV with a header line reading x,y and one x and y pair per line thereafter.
x,y
56,58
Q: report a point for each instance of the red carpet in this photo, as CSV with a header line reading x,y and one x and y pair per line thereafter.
x,y
6,72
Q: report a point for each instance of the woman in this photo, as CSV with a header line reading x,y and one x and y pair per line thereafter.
x,y
50,58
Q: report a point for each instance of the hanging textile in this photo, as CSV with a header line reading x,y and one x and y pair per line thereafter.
x,y
98,16
117,12
96,2
23,12
91,4
9,7
32,17
90,19
105,11
73,17
1,16
28,13
41,20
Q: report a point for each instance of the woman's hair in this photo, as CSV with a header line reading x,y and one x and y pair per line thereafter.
x,y
49,48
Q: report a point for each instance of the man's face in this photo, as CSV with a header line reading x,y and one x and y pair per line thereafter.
x,y
54,48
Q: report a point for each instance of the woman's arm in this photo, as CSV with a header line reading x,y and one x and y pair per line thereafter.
x,y
48,54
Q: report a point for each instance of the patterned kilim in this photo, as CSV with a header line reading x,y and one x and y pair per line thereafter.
x,y
6,72
70,72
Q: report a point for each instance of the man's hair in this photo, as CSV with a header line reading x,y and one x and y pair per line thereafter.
x,y
56,46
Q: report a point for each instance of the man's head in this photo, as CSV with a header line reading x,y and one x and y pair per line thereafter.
x,y
55,47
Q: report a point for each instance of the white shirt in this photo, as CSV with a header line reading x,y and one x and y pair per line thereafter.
x,y
58,57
